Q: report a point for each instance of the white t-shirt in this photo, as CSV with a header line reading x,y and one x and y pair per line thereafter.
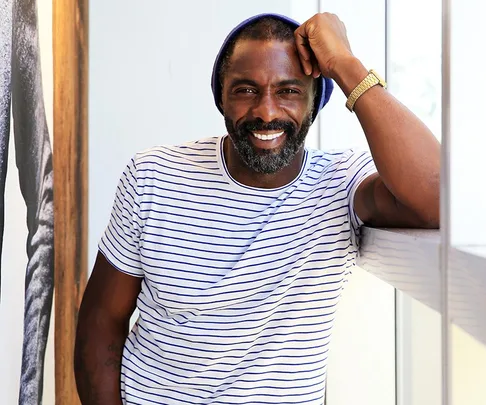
x,y
240,285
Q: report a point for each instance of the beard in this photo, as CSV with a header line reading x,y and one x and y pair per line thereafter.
x,y
262,160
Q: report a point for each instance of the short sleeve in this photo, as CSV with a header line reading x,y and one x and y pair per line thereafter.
x,y
359,165
120,240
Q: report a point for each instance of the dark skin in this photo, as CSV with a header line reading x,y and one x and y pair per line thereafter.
x,y
265,80
108,303
273,80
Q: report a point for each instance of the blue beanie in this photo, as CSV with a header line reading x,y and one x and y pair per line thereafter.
x,y
324,84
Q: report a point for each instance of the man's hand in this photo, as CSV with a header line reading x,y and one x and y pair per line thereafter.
x,y
322,43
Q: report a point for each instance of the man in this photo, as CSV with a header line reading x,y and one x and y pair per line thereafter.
x,y
235,249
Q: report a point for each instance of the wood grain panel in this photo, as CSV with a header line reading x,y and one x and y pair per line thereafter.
x,y
70,47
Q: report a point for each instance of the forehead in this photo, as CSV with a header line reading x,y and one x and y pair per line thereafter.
x,y
267,60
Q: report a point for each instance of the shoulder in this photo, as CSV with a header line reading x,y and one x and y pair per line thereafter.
x,y
337,160
200,152
172,166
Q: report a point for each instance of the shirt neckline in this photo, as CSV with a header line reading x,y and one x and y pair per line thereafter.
x,y
242,187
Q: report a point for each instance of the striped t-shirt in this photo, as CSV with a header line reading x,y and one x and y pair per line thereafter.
x,y
240,284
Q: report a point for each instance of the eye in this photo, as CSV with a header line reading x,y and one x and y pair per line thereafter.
x,y
245,90
289,91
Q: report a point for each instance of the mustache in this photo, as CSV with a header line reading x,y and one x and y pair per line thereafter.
x,y
260,125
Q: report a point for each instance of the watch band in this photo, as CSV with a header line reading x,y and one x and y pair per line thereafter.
x,y
367,83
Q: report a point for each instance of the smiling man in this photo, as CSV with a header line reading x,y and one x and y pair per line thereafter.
x,y
235,249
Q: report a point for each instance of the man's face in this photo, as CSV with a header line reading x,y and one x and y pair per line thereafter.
x,y
267,102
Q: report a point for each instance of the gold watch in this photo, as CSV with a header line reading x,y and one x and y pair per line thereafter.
x,y
367,83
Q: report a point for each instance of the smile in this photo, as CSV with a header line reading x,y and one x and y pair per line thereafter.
x,y
268,137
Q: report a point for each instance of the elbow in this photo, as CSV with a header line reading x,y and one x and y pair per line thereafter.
x,y
431,223
430,215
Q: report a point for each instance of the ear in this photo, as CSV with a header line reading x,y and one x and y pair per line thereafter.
x,y
221,105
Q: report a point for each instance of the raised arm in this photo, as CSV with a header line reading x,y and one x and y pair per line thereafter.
x,y
406,191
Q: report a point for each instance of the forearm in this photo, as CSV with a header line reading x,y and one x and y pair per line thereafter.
x,y
406,153
97,359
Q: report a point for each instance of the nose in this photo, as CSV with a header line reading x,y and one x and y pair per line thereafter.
x,y
266,108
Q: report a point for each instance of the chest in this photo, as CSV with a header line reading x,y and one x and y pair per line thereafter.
x,y
202,258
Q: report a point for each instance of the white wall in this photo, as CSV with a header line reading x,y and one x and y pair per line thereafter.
x,y
468,130
14,258
150,68
468,369
468,191
419,353
14,262
362,357
414,76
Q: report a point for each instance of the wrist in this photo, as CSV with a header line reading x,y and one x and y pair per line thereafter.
x,y
348,72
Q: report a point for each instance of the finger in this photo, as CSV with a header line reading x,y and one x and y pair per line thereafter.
x,y
302,43
316,71
305,53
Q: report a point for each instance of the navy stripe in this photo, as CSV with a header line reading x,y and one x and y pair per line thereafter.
x,y
227,268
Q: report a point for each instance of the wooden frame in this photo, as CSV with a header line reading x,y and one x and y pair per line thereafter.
x,y
70,48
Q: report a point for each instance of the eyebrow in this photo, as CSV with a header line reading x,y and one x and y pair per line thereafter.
x,y
249,82
291,82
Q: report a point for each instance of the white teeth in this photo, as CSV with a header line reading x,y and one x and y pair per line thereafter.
x,y
264,137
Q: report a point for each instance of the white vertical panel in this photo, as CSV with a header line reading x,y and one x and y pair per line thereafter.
x,y
418,353
362,358
468,129
467,368
467,365
445,202
414,77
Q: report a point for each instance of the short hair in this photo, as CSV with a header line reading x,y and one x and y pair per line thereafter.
x,y
265,29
